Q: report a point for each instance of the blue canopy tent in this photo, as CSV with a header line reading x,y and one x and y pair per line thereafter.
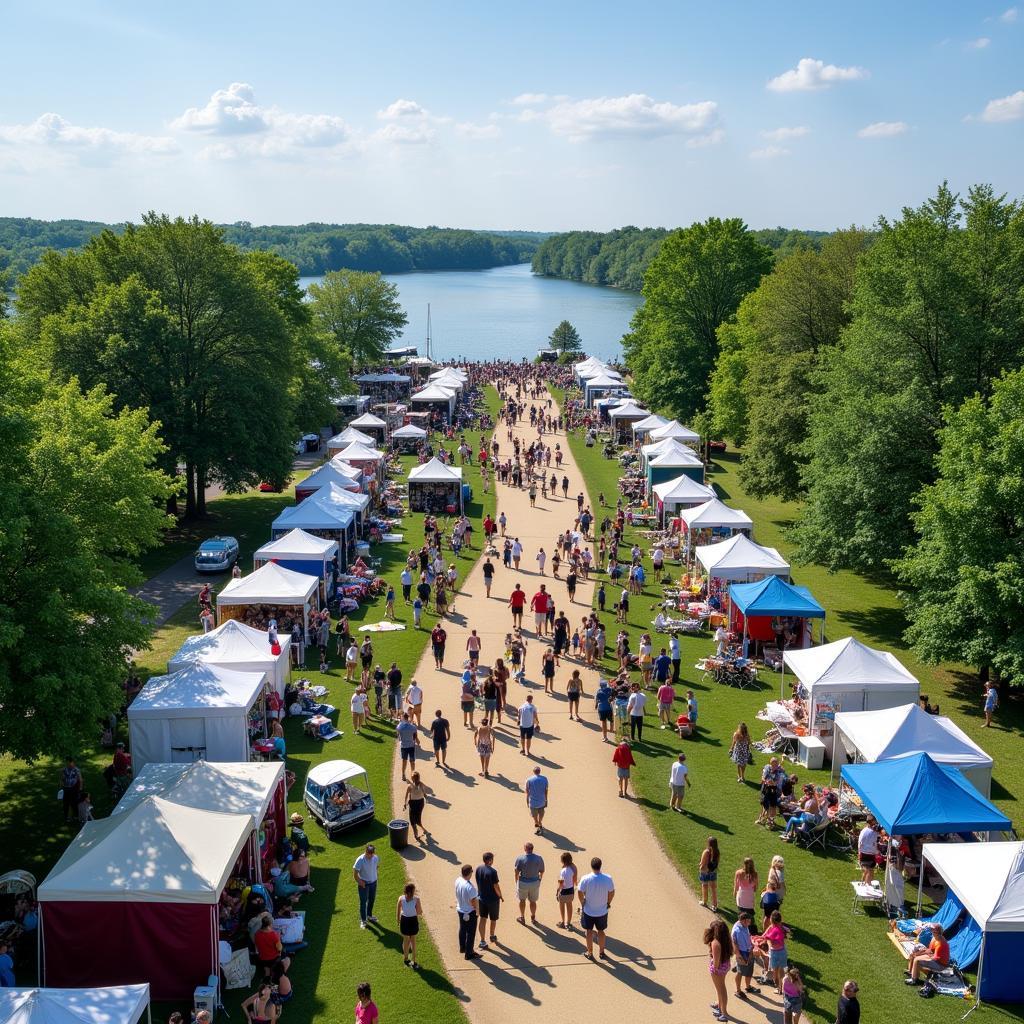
x,y
322,519
772,598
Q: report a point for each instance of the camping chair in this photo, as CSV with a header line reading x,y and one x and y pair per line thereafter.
x,y
814,836
964,950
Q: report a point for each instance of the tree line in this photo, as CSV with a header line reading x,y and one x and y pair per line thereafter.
x,y
313,248
877,379
134,372
620,258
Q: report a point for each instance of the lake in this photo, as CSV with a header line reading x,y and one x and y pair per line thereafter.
x,y
507,312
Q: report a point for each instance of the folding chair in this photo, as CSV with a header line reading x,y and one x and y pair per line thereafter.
x,y
815,836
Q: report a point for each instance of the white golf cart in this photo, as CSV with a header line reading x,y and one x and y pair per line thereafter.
x,y
338,796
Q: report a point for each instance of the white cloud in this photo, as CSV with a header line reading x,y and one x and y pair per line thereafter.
x,y
52,130
1009,108
405,134
530,99
1009,15
230,111
408,123
811,74
979,44
402,108
633,116
883,130
769,153
469,130
711,138
781,134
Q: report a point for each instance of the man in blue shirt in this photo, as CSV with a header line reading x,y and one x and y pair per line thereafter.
x,y
603,699
408,741
529,870
662,667
537,798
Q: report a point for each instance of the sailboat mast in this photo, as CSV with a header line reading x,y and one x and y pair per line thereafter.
x,y
429,353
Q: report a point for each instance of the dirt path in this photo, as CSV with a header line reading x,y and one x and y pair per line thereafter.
x,y
657,969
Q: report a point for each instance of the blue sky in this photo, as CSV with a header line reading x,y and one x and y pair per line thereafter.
x,y
534,115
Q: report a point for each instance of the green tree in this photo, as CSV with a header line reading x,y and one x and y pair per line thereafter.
x,y
696,282
359,312
938,314
727,412
80,497
172,319
966,602
565,338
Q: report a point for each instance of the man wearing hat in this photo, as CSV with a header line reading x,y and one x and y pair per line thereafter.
x,y
298,834
743,951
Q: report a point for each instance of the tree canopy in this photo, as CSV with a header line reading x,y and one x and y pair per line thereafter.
x,y
693,285
359,312
80,497
565,338
966,601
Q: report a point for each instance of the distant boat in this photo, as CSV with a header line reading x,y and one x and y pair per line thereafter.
x,y
548,355
404,352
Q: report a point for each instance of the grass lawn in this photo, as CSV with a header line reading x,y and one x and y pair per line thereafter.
x,y
829,943
339,955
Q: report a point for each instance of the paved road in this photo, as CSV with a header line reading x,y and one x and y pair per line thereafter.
x,y
179,583
657,969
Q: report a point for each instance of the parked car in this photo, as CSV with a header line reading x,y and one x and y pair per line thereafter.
x,y
716,446
216,554
338,796
311,442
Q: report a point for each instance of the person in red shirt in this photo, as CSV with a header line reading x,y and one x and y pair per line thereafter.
x,y
539,605
622,758
268,944
517,601
934,958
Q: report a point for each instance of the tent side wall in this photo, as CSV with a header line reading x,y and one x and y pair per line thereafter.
x,y
862,697
1001,976
173,946
186,736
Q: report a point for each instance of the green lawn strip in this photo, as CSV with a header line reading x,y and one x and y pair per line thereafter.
x,y
340,954
830,944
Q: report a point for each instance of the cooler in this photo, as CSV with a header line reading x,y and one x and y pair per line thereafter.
x,y
810,752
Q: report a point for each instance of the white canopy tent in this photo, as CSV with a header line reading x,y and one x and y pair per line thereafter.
x,y
200,712
346,437
715,513
673,458
433,487
598,385
339,473
356,452
367,420
907,729
332,494
299,551
239,647
675,430
435,394
847,675
321,517
410,432
271,584
668,446
646,425
740,560
116,1004
682,492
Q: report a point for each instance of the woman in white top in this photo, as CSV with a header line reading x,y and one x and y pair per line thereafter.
x,y
565,890
408,911
359,705
541,560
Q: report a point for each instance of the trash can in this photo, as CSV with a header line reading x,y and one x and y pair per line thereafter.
x,y
398,833
467,494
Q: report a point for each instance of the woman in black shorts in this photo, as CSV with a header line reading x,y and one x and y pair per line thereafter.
x,y
409,910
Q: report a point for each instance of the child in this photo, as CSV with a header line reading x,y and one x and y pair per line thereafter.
x,y
389,603
366,1008
691,709
792,996
576,642
417,611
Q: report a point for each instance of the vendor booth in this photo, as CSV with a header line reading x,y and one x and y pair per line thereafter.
x,y
135,897
371,425
450,378
340,498
199,713
671,462
119,1004
408,438
675,431
363,457
300,552
436,488
588,367
600,386
351,405
847,675
269,592
623,417
869,736
435,399
240,648
341,474
679,493
384,385
714,520
774,614
321,518
987,879
255,788
641,428
344,439
737,560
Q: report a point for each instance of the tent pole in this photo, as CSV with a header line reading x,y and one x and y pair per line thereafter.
x,y
977,991
920,883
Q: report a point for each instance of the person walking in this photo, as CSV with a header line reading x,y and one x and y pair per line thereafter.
x,y
719,943
991,702
792,996
414,702
529,872
539,607
707,874
622,758
440,734
678,780
529,723
408,741
570,584
394,680
604,704
675,656
365,871
565,890
489,898
517,601
596,892
739,752
573,691
542,558
467,907
416,794
547,670
517,553
71,790
635,707
483,739
406,581
473,645
502,523
351,660
743,954
488,571
537,798
438,639
409,911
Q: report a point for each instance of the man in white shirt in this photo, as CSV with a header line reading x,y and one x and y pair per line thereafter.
x,y
466,905
597,890
635,708
414,702
364,871
529,722
721,635
678,780
674,654
406,579
867,851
